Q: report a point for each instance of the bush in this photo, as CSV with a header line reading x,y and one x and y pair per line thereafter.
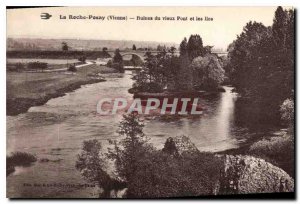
x,y
277,150
118,66
82,58
287,112
72,68
109,64
18,159
161,175
37,65
150,87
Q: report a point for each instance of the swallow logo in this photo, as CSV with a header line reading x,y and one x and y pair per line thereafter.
x,y
45,16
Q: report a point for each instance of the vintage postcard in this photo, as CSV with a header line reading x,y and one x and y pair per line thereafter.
x,y
150,102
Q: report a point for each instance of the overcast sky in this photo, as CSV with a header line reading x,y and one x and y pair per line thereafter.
x,y
227,23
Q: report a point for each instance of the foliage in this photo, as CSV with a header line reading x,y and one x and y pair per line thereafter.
x,y
64,46
287,112
92,165
37,65
133,47
15,67
195,46
130,148
82,58
118,61
72,68
56,54
136,61
161,175
278,150
261,61
18,159
208,71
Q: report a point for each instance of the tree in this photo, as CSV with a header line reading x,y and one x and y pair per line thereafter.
x,y
287,112
279,27
91,164
64,46
195,46
262,65
133,47
172,50
118,61
131,148
183,47
104,49
82,58
207,72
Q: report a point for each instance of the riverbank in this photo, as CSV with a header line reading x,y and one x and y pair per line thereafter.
x,y
25,90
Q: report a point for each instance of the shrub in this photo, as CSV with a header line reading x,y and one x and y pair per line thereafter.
x,y
18,159
277,150
150,87
162,175
37,65
287,112
91,164
109,63
82,58
19,67
72,68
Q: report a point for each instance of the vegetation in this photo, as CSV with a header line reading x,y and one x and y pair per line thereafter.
x,y
72,68
64,46
82,59
133,47
58,54
208,71
91,164
278,150
18,159
287,112
37,65
195,68
261,62
147,172
117,61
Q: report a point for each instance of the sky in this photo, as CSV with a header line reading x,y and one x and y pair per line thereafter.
x,y
228,22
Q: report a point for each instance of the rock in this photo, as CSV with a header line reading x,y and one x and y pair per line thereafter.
x,y
247,174
184,144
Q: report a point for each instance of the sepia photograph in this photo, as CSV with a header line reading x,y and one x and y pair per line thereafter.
x,y
150,102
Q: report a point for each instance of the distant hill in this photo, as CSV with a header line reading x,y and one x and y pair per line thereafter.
x,y
79,44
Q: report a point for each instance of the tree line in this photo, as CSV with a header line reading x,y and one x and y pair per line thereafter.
x,y
261,65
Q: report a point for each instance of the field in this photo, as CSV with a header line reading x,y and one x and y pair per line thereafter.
x,y
29,89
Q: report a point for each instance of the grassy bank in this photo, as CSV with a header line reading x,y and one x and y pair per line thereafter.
x,y
25,90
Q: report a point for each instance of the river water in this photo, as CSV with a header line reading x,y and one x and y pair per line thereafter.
x,y
56,130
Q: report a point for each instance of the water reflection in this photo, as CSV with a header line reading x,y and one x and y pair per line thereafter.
x,y
63,123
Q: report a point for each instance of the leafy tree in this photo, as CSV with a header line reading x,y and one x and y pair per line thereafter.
x,y
92,166
183,47
172,49
118,60
136,60
262,64
133,47
195,46
82,58
64,46
208,72
287,112
130,148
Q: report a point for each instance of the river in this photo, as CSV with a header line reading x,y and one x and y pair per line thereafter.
x,y
56,130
